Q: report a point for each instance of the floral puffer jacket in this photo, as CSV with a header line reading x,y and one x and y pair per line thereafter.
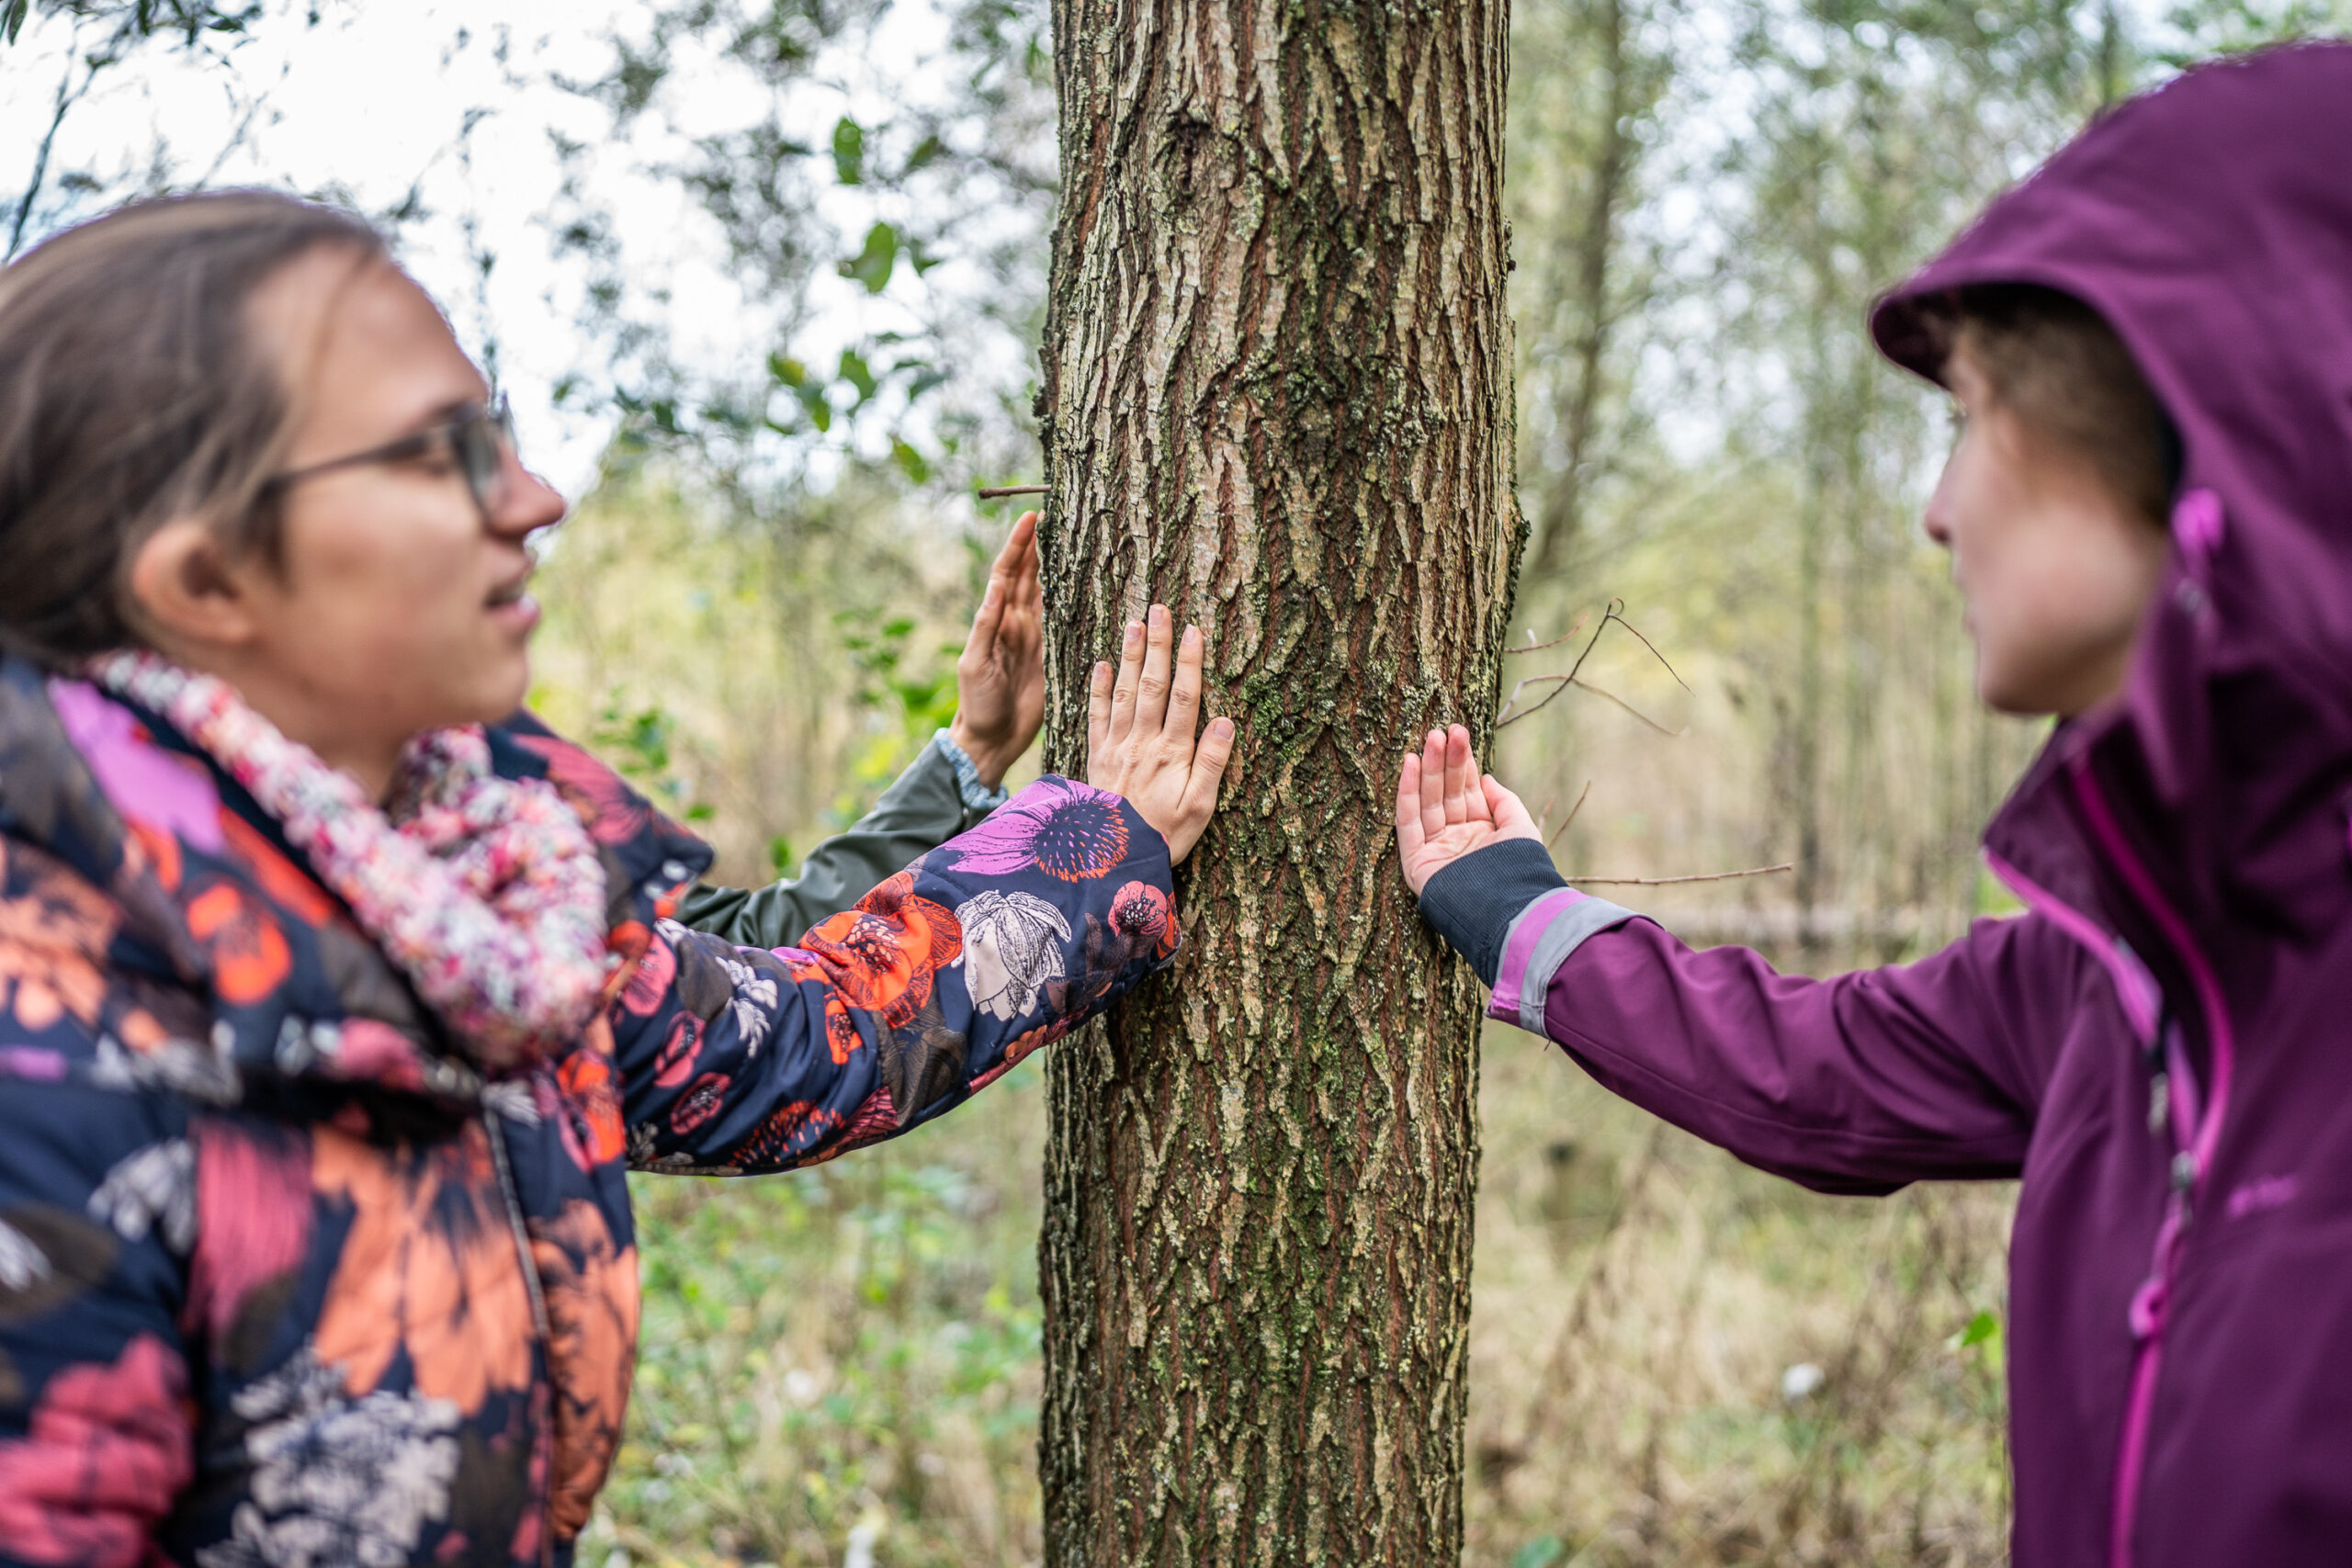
x,y
283,1280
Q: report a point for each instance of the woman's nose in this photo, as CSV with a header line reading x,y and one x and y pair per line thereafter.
x,y
526,502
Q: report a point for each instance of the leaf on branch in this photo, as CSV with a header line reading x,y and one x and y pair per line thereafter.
x,y
857,372
929,150
848,152
1984,1326
872,266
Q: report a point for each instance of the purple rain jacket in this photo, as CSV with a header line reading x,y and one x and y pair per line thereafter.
x,y
2162,1047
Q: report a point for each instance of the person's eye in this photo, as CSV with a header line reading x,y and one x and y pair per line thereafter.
x,y
438,455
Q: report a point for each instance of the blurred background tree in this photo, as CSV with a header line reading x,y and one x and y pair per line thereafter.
x,y
766,279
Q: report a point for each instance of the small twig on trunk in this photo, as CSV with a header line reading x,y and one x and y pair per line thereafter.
x,y
1569,818
1666,880
998,492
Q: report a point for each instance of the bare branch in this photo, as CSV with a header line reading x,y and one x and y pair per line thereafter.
x,y
67,97
1613,611
1670,881
1570,817
1669,734
1534,647
995,492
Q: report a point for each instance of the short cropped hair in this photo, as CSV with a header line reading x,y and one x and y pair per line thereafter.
x,y
2055,365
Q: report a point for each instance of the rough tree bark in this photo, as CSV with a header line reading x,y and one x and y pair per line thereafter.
x,y
1277,397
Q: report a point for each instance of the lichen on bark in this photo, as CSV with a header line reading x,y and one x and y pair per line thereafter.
x,y
1277,398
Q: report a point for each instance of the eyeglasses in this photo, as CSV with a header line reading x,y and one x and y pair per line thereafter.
x,y
482,438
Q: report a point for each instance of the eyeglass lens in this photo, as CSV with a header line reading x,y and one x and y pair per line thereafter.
x,y
483,443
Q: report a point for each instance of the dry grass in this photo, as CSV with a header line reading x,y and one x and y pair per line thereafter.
x,y
857,1346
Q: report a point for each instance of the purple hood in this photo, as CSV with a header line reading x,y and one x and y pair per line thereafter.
x,y
2211,223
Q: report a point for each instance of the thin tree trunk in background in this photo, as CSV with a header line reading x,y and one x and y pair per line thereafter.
x,y
1277,397
1596,247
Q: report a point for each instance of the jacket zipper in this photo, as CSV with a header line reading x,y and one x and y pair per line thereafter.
x,y
2195,1132
511,1197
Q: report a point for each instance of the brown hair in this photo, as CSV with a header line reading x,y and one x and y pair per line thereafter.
x,y
131,391
2055,364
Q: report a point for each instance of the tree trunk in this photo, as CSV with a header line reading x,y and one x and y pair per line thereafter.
x,y
1596,248
1277,397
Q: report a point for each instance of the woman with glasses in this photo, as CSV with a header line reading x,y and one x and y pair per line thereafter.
x,y
337,994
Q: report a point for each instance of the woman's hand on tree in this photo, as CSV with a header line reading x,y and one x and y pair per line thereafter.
x,y
1143,737
1001,678
1446,807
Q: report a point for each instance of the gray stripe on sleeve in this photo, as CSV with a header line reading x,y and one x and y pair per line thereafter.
x,y
1588,917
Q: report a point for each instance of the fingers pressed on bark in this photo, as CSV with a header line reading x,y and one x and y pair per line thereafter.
x,y
1208,772
1184,694
1098,707
1408,795
1433,784
1151,696
1123,691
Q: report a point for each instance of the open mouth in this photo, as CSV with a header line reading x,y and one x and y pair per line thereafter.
x,y
509,593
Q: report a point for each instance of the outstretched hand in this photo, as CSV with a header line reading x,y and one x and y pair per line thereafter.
x,y
1001,678
1446,807
1143,738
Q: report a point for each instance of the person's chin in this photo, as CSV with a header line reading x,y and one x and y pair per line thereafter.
x,y
499,696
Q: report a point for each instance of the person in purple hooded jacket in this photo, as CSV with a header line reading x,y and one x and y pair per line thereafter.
x,y
2150,518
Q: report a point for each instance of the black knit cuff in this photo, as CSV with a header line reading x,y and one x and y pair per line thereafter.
x,y
1473,902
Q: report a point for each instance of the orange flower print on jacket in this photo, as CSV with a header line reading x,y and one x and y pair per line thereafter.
x,y
590,1287
54,933
648,969
1142,914
595,1097
880,958
292,887
429,1266
249,953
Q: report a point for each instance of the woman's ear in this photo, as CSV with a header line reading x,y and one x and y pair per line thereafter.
x,y
187,592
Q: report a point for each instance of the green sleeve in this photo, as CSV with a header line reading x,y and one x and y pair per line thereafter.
x,y
922,810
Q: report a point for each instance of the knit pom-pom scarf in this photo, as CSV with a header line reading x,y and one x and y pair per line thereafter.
x,y
486,892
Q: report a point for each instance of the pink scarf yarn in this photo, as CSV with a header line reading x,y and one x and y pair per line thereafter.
x,y
485,891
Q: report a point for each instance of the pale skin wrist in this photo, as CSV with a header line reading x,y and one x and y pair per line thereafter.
x,y
990,763
1001,677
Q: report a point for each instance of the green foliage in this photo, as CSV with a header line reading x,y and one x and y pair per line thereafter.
x,y
1543,1551
913,698
849,152
188,19
637,741
873,264
851,1345
2208,27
